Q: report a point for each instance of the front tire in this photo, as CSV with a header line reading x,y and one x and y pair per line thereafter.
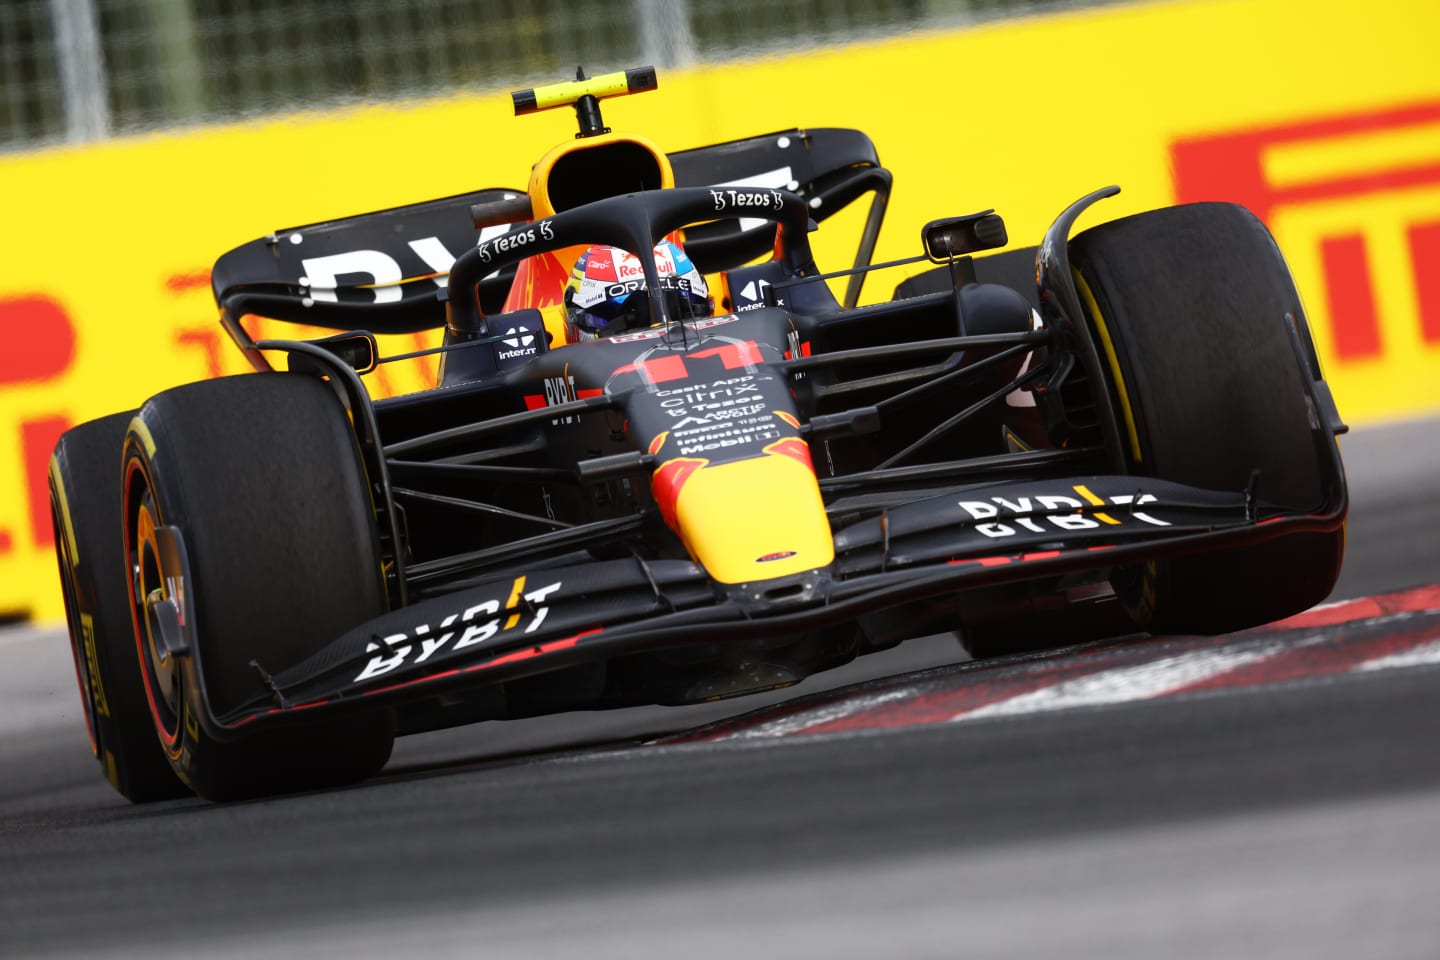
x,y
88,520
261,476
1190,307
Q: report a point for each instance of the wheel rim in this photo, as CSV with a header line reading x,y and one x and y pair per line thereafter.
x,y
148,586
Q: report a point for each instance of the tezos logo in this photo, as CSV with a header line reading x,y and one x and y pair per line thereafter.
x,y
515,239
757,199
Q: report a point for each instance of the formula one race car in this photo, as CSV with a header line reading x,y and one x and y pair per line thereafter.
x,y
270,576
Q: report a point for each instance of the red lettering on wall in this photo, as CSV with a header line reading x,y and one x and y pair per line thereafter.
x,y
5,542
39,339
208,340
1425,261
1347,281
183,282
38,438
1230,167
209,343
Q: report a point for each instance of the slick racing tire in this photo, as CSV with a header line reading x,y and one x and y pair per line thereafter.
x,y
261,477
85,509
1189,307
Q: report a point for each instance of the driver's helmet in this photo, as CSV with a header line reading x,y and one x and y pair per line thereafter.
x,y
606,291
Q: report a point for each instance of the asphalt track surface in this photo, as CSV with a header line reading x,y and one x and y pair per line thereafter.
x,y
1112,802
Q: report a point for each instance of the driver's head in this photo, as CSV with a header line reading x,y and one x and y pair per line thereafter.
x,y
606,292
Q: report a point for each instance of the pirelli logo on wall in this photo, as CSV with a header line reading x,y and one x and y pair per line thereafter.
x,y
1354,201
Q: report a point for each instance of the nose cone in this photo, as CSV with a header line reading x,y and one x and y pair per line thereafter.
x,y
749,520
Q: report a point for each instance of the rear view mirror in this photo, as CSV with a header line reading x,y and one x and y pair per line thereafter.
x,y
957,236
357,349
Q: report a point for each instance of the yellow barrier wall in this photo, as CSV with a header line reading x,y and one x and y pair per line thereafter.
x,y
1324,117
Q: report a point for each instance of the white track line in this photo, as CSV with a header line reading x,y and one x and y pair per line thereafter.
x,y
1140,682
801,722
1415,657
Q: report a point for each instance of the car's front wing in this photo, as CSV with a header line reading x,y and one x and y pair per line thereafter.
x,y
541,619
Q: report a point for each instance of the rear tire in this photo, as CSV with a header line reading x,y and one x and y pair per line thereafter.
x,y
262,477
1189,308
88,520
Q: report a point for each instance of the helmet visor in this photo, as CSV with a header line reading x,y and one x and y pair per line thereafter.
x,y
631,310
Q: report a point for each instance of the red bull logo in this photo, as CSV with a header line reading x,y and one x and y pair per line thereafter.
x,y
666,484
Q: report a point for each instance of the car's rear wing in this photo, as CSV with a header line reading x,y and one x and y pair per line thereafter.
x,y
386,271
830,167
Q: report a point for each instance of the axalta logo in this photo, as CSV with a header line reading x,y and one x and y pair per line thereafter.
x,y
1001,517
459,630
1354,201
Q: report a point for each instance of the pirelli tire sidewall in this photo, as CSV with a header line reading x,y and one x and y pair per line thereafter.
x,y
1189,307
261,477
85,508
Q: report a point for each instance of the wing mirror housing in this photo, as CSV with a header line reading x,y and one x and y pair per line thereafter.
x,y
357,349
958,236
